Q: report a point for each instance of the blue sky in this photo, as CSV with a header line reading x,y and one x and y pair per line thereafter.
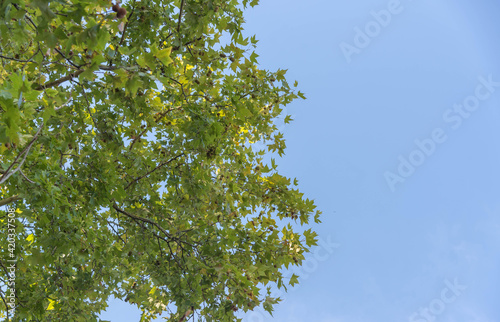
x,y
419,103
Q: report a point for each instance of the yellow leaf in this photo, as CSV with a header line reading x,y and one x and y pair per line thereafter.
x,y
30,238
153,290
183,80
18,211
51,305
112,47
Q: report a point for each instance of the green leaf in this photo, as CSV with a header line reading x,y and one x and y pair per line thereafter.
x,y
253,57
5,94
164,55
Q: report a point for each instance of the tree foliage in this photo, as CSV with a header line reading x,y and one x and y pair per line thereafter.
x,y
126,149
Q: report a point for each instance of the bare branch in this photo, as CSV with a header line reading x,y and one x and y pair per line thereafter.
x,y
159,166
180,16
6,306
78,72
25,152
137,138
67,59
9,200
65,104
25,177
146,220
59,81
15,59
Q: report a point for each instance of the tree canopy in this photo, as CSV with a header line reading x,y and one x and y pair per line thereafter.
x,y
128,165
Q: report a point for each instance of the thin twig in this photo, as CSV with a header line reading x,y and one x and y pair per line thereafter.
x,y
67,59
180,16
6,306
146,220
15,59
25,152
25,177
137,138
65,104
148,173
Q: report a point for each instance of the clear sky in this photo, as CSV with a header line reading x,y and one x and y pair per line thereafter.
x,y
399,145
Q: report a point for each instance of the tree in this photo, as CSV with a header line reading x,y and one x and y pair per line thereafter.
x,y
127,163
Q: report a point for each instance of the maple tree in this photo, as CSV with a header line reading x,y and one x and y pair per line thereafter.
x,y
127,151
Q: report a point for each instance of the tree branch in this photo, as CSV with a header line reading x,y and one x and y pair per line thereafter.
x,y
15,59
65,104
125,28
6,306
137,138
146,220
188,312
25,177
70,76
159,166
59,81
9,200
180,16
26,150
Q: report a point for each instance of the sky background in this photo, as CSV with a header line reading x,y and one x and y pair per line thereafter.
x,y
425,248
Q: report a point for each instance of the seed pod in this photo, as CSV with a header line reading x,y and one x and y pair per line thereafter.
x,y
115,7
121,13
